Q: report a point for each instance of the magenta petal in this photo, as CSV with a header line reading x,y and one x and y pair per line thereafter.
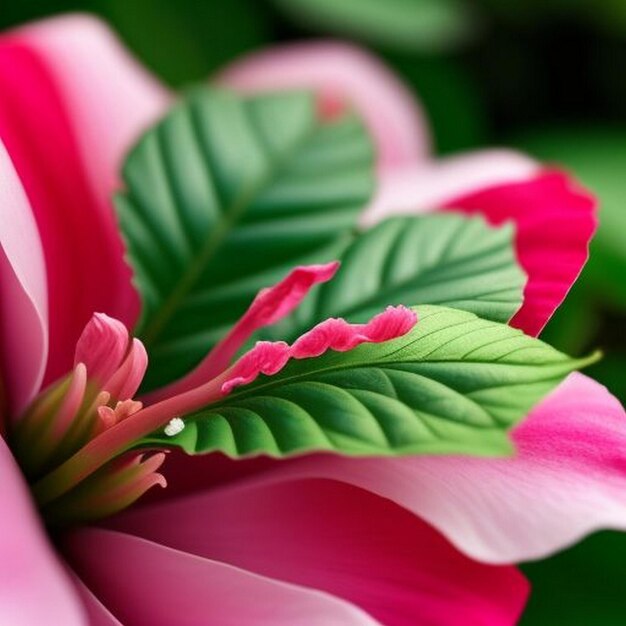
x,y
555,221
341,540
34,588
343,76
145,583
23,298
72,102
97,613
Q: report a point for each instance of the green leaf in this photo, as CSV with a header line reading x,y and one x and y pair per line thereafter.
x,y
222,198
415,25
445,258
455,384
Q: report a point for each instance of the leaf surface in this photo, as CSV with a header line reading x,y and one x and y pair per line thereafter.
x,y
444,259
455,384
223,197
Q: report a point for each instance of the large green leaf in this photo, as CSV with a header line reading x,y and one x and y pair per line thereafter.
x,y
444,258
431,25
455,384
222,198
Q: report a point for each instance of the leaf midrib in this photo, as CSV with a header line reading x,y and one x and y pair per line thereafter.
x,y
228,219
258,389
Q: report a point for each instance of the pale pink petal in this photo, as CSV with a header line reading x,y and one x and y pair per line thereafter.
x,y
34,588
332,334
555,220
72,102
417,189
341,540
268,307
23,298
567,480
343,76
145,583
101,346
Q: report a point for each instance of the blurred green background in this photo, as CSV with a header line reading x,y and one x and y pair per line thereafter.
x,y
547,76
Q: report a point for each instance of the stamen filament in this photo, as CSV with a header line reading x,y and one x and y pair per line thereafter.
x,y
121,437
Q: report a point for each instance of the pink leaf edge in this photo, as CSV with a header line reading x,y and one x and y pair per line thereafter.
x,y
268,307
332,334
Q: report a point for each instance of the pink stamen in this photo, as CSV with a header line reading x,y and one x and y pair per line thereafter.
x,y
123,409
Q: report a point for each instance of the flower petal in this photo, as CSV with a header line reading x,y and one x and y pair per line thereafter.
x,y
341,540
554,218
343,75
162,586
72,103
568,479
97,613
411,189
23,297
555,221
101,346
107,94
33,586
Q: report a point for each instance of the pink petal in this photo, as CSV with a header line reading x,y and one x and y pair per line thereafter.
x,y
72,102
108,95
567,480
145,583
555,221
417,189
341,540
333,334
101,346
343,76
33,586
126,380
268,307
97,613
23,298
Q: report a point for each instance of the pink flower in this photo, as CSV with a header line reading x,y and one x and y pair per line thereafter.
x,y
317,540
